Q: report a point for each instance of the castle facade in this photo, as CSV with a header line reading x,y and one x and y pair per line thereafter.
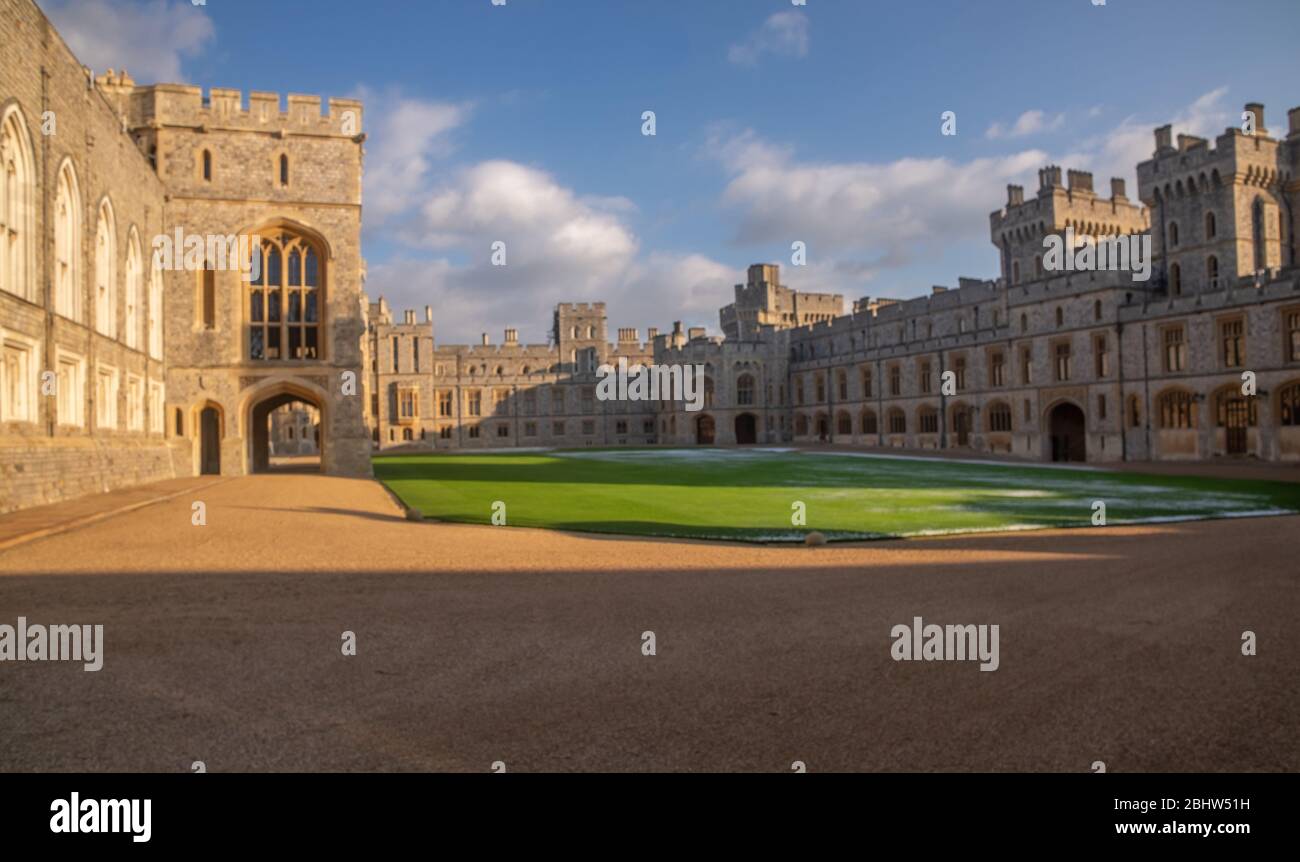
x,y
118,367
1201,360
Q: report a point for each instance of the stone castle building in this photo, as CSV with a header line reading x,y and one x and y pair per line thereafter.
x,y
1040,363
295,430
119,369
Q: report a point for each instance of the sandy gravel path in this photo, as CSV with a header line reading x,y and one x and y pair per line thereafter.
x,y
478,644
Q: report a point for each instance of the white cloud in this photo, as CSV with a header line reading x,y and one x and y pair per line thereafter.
x,y
889,210
560,247
1029,123
783,34
410,135
150,39
862,219
1116,152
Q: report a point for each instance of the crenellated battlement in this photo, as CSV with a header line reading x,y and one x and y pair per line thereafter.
x,y
219,107
1058,206
1196,165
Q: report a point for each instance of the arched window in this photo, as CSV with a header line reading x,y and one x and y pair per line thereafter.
x,y
1024,323
17,206
843,423
801,425
207,166
1134,412
745,390
1212,270
1173,234
134,288
708,391
67,244
928,418
1175,280
1257,219
1096,310
1015,272
207,298
155,311
1177,409
1060,316
1222,404
897,421
284,170
1289,405
285,306
869,422
1211,228
106,271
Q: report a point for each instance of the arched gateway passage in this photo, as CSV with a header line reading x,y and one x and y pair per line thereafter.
x,y
704,430
259,425
746,429
1069,440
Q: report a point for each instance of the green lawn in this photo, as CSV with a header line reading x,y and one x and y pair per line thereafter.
x,y
749,493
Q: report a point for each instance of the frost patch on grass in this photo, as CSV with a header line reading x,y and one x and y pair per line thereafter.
x,y
703,456
1005,465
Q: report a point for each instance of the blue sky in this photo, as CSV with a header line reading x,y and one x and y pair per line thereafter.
x,y
775,123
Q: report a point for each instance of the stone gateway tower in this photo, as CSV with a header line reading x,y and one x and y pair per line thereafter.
x,y
285,182
121,365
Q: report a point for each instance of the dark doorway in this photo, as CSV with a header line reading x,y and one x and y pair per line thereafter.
x,y
286,435
1236,419
1069,442
704,430
746,429
961,425
210,442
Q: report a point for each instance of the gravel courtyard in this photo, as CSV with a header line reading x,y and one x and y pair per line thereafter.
x,y
478,644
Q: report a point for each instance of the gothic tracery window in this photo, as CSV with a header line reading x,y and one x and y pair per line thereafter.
x,y
67,245
284,300
17,195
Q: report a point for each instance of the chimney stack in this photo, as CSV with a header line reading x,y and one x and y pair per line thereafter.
x,y
1293,122
1080,181
486,340
1258,110
1164,138
408,316
1117,188
1015,195
512,336
1049,178
428,314
652,333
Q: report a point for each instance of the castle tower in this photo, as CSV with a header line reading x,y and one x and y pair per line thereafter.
x,y
285,182
580,334
1020,228
1218,213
